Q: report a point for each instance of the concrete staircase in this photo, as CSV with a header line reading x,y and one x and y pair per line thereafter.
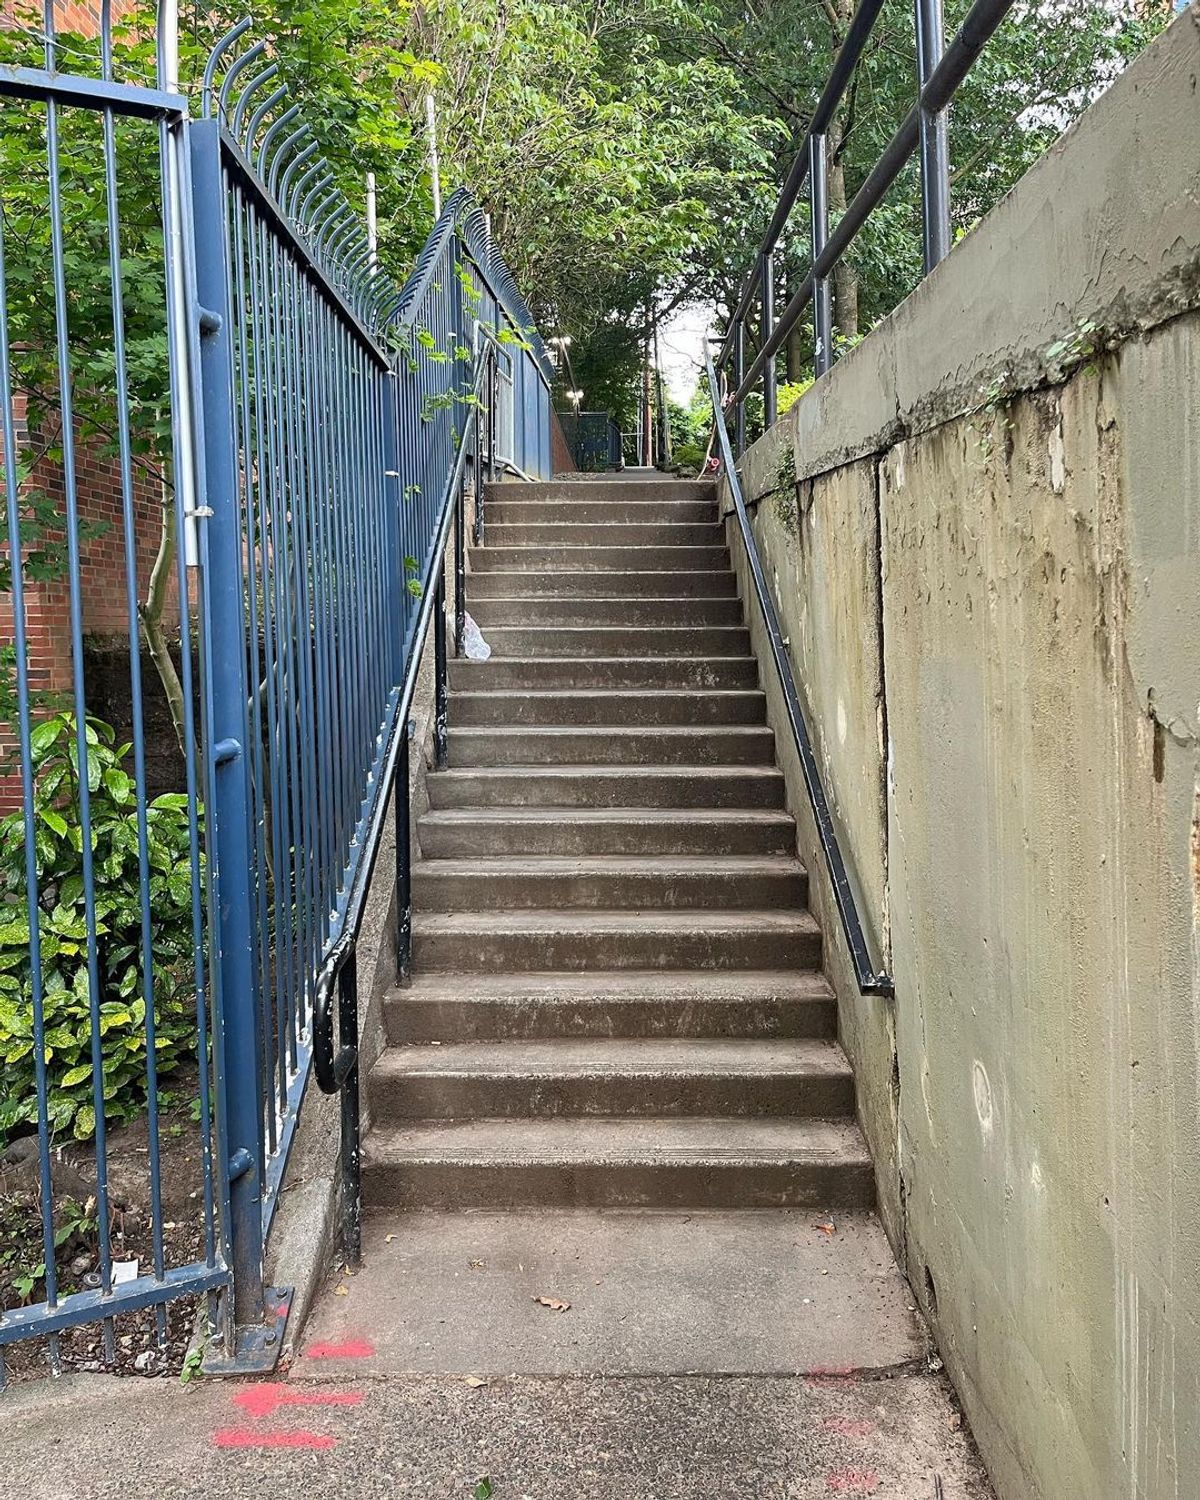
x,y
617,996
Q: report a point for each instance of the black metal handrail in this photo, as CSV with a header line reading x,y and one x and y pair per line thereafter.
x,y
871,981
939,73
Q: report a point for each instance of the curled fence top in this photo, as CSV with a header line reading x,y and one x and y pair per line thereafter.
x,y
241,89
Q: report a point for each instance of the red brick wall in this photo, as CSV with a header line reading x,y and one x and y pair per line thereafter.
x,y
103,591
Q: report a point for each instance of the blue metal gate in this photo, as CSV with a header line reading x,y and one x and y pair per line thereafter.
x,y
313,429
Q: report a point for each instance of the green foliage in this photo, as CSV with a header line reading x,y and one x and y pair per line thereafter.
x,y
788,392
61,924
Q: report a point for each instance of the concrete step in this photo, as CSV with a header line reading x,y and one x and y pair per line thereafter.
x,y
565,491
652,533
499,941
631,1163
560,639
472,833
621,706
612,1077
617,615
590,559
609,882
599,512
648,581
630,1003
608,786
599,672
748,744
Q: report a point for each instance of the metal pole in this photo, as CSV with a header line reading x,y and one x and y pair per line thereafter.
x,y
460,565
439,667
351,1129
935,149
767,325
739,371
404,908
818,168
238,1062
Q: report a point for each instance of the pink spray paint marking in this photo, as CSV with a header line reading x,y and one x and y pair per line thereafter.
x,y
351,1349
263,1399
852,1481
247,1437
849,1426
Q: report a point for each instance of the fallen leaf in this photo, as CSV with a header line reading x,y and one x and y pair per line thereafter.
x,y
555,1304
474,1381
825,1228
476,1265
341,1291
484,1489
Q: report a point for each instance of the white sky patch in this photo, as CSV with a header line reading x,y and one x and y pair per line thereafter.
x,y
681,349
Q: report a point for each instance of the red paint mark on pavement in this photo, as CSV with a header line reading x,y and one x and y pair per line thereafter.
x,y
247,1437
852,1481
849,1426
263,1399
351,1349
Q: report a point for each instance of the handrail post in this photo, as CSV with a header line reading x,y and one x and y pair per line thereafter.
x,y
818,173
460,565
766,328
440,696
351,1127
404,905
739,371
935,150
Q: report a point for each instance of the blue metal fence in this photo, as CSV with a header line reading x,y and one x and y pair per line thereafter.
x,y
319,426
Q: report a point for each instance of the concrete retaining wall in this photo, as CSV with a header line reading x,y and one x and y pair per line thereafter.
x,y
983,531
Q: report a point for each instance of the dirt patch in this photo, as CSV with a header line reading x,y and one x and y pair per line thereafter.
x,y
144,1343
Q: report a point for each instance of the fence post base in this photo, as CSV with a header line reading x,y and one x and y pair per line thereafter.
x,y
256,1346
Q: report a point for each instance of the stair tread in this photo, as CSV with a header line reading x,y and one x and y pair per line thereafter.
x,y
772,817
666,865
521,695
677,986
666,919
750,1058
571,1140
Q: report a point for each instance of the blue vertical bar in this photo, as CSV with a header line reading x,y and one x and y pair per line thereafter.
x,y
237,1056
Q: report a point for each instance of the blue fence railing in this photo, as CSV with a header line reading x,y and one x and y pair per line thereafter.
x,y
276,554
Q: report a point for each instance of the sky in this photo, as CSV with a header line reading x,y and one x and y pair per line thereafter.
x,y
681,349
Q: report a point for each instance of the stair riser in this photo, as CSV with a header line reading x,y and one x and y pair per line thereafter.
x,y
600,513
592,559
650,535
530,1019
719,746
567,790
560,836
482,890
626,709
481,1097
637,948
541,675
437,1184
617,589
589,640
612,614
655,491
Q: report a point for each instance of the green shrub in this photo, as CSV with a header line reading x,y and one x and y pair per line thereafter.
x,y
688,456
58,846
789,393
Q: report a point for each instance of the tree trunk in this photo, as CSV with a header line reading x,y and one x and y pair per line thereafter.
x,y
845,277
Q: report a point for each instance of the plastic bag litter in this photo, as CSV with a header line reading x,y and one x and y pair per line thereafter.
x,y
476,648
